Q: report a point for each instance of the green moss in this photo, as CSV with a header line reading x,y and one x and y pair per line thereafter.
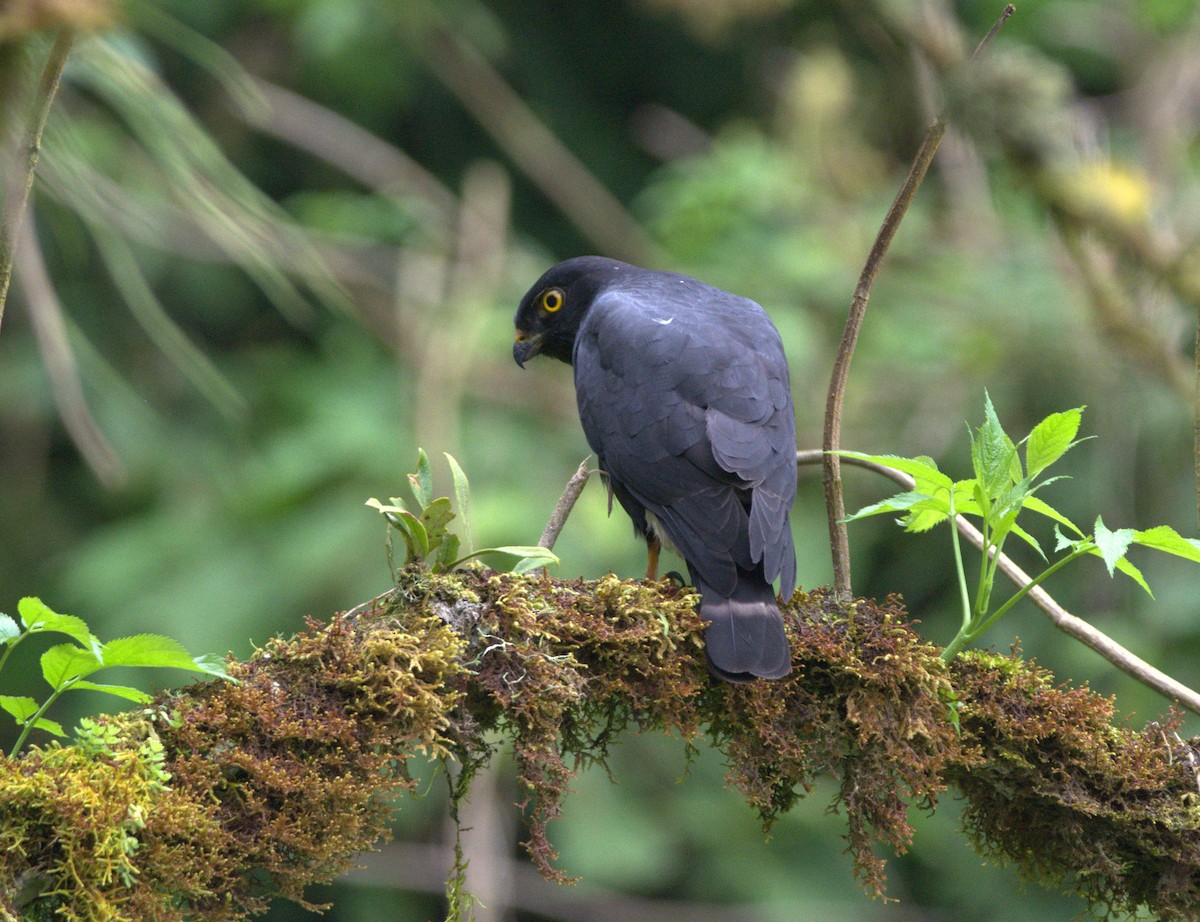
x,y
1071,799
229,796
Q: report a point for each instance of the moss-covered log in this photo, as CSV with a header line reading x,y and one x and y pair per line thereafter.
x,y
276,782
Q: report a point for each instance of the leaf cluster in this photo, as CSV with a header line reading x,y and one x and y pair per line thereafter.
x,y
67,666
427,538
1004,486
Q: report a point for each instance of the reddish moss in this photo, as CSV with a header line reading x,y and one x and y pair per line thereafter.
x,y
278,781
1073,801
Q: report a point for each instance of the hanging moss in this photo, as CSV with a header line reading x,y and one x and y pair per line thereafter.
x,y
223,797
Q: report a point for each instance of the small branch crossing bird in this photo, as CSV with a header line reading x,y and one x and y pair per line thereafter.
x,y
684,397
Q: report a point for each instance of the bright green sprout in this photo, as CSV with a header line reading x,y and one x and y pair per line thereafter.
x,y
67,666
1003,487
428,541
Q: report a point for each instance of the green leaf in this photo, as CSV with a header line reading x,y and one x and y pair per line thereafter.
x,y
121,691
1112,545
921,519
9,629
1062,542
462,497
50,726
38,617
1040,506
20,706
148,650
213,665
993,454
416,539
522,559
897,503
448,553
65,662
1051,439
1029,539
1165,538
923,470
422,480
1134,573
414,534
434,518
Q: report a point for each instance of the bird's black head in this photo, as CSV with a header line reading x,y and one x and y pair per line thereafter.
x,y
549,316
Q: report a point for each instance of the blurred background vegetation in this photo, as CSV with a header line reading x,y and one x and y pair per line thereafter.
x,y
279,245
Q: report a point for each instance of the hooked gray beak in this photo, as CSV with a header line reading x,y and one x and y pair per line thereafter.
x,y
526,346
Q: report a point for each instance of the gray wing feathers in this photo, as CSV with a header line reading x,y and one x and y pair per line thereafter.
x,y
684,393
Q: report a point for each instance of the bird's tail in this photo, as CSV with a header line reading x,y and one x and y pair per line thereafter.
x,y
745,638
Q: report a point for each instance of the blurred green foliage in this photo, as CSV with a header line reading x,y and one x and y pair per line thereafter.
x,y
269,315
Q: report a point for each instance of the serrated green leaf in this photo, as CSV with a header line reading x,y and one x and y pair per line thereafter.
x,y
1051,439
9,629
1029,539
52,727
67,661
121,691
1111,545
993,454
422,480
980,498
148,650
462,497
38,617
20,706
1040,506
923,470
896,503
1002,525
964,498
1062,542
1165,538
921,520
1134,573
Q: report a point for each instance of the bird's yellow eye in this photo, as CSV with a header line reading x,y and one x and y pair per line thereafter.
x,y
552,299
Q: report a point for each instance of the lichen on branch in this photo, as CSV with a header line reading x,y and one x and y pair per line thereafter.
x,y
277,782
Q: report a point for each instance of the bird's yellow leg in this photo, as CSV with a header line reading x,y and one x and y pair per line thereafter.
x,y
653,546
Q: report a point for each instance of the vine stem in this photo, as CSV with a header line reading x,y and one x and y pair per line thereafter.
x,y
1128,662
16,197
834,501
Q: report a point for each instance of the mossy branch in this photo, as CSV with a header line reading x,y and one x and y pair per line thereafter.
x,y
276,783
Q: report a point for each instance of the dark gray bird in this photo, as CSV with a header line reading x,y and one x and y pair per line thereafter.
x,y
684,397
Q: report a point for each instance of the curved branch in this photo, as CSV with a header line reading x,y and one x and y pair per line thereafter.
x,y
834,503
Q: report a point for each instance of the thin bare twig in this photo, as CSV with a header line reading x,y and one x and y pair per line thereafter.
x,y
566,503
50,330
348,146
834,501
1129,663
17,190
